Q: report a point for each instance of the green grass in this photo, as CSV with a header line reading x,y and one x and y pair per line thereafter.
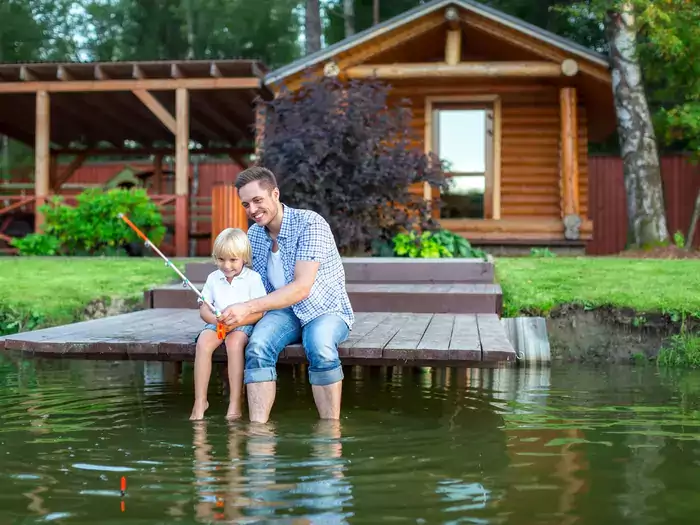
x,y
536,285
682,350
49,291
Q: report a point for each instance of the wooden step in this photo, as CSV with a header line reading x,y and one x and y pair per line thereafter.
x,y
390,270
377,338
458,298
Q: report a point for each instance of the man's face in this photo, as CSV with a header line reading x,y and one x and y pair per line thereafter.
x,y
260,204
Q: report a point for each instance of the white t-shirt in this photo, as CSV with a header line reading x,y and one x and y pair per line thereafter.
x,y
275,269
245,286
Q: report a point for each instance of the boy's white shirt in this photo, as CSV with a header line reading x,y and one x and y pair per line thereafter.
x,y
246,286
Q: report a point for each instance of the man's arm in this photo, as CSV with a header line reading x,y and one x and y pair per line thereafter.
x,y
314,243
298,290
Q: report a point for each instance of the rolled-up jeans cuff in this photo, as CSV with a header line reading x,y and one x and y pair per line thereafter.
x,y
259,375
326,377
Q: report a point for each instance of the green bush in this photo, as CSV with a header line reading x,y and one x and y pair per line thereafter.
x,y
434,244
92,226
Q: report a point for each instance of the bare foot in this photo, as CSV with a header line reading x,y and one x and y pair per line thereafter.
x,y
233,413
198,410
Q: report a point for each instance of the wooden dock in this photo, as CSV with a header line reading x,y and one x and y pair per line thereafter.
x,y
417,312
167,334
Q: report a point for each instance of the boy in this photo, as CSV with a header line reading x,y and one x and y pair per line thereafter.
x,y
233,282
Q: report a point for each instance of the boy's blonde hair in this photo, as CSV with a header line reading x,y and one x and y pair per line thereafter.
x,y
233,242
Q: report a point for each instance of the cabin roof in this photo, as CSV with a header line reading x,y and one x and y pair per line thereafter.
x,y
512,22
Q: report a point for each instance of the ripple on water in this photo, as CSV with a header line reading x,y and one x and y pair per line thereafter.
x,y
419,449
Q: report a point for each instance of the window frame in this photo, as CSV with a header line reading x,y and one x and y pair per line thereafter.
x,y
492,104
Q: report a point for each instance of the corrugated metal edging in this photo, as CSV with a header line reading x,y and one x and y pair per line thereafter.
x,y
608,202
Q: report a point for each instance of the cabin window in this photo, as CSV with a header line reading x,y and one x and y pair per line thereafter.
x,y
462,138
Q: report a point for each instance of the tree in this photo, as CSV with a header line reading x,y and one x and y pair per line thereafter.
x,y
646,213
312,26
341,150
267,30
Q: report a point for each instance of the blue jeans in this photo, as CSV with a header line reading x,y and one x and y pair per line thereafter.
x,y
279,328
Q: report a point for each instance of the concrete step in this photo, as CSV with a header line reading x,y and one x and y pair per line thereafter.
x,y
390,270
457,298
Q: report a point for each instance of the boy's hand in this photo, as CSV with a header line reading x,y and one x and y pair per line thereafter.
x,y
235,314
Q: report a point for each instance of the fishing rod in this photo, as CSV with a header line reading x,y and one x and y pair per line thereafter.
x,y
220,328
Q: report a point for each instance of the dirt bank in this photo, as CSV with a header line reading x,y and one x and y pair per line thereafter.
x,y
609,335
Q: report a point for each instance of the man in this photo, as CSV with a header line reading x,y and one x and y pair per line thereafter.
x,y
295,254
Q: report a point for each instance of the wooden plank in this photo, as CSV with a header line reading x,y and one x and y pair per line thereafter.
x,y
465,344
465,69
371,346
494,342
403,346
155,107
569,152
42,157
435,343
182,167
84,86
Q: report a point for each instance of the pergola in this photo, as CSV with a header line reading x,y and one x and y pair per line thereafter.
x,y
131,108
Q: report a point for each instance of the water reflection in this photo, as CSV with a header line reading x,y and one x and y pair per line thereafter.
x,y
523,446
245,484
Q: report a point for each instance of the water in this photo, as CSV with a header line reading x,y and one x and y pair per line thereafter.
x,y
561,446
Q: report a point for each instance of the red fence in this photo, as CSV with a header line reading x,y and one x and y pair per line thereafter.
x,y
608,204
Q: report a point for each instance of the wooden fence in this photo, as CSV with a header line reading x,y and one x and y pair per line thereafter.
x,y
608,203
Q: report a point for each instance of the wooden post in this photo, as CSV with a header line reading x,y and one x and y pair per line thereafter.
x,y
182,168
569,152
453,42
42,155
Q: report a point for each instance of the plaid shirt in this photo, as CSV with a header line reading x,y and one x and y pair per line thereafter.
x,y
306,236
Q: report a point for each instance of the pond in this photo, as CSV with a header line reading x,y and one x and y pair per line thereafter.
x,y
565,445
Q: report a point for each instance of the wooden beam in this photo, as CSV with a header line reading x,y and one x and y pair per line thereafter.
x,y
157,109
85,86
464,69
27,75
63,74
146,152
453,47
569,152
42,155
496,207
60,180
182,165
100,73
516,228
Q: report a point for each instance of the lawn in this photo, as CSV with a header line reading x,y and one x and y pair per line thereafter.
x,y
49,291
647,285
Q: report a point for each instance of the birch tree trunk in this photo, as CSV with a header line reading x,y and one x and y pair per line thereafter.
x,y
349,17
646,214
312,29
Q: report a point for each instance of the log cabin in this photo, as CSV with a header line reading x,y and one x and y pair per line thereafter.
x,y
510,107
